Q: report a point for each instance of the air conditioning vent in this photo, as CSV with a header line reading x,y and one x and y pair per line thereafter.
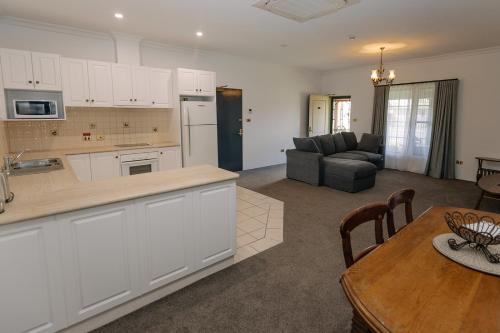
x,y
303,10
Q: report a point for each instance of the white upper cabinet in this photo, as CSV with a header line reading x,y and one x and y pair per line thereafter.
x,y
140,85
206,83
17,69
75,79
122,84
100,83
46,71
161,87
193,82
31,70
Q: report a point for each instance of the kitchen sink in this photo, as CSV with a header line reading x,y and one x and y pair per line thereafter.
x,y
36,166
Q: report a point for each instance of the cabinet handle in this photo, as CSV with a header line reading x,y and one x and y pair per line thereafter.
x,y
116,156
87,100
131,99
161,153
135,99
30,82
37,82
92,100
153,102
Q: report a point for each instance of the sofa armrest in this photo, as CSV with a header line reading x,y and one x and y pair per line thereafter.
x,y
381,150
304,166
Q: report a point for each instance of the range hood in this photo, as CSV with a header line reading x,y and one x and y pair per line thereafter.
x,y
303,10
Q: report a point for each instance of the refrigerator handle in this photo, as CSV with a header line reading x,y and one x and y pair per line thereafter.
x,y
189,134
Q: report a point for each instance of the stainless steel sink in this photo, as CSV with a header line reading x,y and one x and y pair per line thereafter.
x,y
36,166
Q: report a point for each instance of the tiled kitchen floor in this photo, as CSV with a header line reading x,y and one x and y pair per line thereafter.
x,y
259,223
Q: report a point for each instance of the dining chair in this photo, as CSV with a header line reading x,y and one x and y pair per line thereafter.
x,y
397,198
368,213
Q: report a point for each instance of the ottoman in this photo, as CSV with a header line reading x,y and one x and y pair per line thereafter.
x,y
348,175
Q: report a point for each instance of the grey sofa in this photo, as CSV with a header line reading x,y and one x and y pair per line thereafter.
x,y
338,161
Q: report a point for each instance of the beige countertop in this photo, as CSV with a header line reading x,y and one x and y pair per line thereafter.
x,y
59,191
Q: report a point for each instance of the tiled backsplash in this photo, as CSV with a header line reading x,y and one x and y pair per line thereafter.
x,y
116,125
4,145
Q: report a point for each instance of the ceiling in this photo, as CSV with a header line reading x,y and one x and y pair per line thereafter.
x,y
427,27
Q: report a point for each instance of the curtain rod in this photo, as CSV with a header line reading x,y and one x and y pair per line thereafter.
x,y
402,84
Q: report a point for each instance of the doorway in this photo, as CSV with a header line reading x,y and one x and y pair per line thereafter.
x,y
230,128
340,120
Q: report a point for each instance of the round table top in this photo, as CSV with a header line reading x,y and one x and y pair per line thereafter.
x,y
490,183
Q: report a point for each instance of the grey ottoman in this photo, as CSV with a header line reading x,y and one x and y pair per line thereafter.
x,y
348,175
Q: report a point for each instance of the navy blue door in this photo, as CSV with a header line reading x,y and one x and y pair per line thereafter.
x,y
230,128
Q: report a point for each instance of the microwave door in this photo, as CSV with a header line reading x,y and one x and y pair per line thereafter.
x,y
35,109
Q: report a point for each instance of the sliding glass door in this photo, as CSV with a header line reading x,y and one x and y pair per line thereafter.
x,y
409,126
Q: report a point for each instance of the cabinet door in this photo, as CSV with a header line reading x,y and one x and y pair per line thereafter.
x,y
140,82
3,107
31,279
122,85
206,83
170,158
187,82
100,83
81,166
215,222
100,259
166,238
46,71
75,79
17,69
105,165
161,87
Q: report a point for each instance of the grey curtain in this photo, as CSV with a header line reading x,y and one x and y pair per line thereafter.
x,y
380,103
441,161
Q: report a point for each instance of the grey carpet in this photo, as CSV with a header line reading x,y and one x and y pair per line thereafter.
x,y
293,287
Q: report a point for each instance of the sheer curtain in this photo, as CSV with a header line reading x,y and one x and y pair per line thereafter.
x,y
409,126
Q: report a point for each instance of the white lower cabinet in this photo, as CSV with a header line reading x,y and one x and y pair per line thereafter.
x,y
32,299
80,164
215,215
170,158
105,165
166,234
99,250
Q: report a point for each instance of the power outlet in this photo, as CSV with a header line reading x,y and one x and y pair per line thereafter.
x,y
99,137
282,150
86,136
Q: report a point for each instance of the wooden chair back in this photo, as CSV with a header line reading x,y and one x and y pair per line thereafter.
x,y
371,212
397,198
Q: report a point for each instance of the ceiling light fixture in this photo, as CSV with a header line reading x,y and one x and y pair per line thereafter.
x,y
199,34
119,16
378,74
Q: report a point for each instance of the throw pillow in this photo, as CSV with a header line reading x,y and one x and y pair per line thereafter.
x,y
350,139
340,145
370,143
317,141
327,144
305,144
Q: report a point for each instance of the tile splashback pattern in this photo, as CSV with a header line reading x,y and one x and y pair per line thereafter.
x,y
117,125
4,145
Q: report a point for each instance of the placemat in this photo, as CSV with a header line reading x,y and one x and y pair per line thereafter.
x,y
467,256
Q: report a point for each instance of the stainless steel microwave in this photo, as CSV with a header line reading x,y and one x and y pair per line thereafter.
x,y
33,104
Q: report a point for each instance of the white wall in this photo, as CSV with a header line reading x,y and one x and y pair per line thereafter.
x,y
478,117
277,94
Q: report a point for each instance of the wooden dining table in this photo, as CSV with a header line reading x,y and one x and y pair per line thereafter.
x,y
405,285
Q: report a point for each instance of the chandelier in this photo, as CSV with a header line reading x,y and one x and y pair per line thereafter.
x,y
378,74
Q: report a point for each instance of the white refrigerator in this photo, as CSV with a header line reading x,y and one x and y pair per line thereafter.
x,y
199,133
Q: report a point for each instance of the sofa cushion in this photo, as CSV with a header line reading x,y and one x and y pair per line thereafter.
x,y
306,145
327,144
317,141
349,156
350,139
370,143
372,157
340,145
348,169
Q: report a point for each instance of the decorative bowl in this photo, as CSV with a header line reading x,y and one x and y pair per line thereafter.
x,y
477,232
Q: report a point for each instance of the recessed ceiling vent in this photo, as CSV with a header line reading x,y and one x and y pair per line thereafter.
x,y
303,10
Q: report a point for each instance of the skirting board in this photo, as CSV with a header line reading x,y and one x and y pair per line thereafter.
x,y
137,303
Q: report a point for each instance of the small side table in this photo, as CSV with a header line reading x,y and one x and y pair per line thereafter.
x,y
490,188
481,171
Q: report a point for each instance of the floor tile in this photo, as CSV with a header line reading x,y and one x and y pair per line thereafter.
x,y
264,244
240,217
240,232
245,240
250,225
241,205
254,211
244,253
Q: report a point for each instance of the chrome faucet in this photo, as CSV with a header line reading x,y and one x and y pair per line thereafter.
x,y
9,161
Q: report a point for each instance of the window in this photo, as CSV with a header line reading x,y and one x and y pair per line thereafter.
x,y
409,126
341,114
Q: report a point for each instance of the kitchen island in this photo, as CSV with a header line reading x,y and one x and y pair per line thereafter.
x,y
77,255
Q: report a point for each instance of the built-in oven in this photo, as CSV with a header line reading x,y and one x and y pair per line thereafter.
x,y
32,104
137,163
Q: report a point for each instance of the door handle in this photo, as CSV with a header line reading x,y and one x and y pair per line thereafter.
x,y
189,135
240,133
